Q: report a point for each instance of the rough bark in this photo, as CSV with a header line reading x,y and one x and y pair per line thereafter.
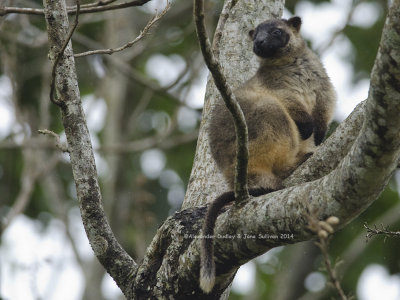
x,y
241,131
106,248
355,182
349,172
364,151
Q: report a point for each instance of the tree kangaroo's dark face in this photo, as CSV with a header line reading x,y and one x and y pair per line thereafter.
x,y
268,38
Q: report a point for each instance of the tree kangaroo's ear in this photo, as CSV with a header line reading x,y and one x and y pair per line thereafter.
x,y
295,22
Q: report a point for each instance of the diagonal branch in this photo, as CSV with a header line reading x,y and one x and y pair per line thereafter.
x,y
142,34
345,192
328,155
241,188
345,188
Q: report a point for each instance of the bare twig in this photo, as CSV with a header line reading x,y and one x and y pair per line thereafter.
x,y
94,4
164,142
148,143
72,10
383,231
61,53
121,66
111,7
323,229
241,188
21,10
59,145
145,31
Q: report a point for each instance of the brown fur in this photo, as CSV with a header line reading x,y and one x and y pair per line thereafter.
x,y
290,92
287,105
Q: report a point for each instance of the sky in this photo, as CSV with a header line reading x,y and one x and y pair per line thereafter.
x,y
28,252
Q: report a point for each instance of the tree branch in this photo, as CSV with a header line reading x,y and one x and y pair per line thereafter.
x,y
134,75
322,229
328,155
345,188
241,188
21,10
94,4
132,3
61,53
72,10
163,142
345,192
104,244
357,247
142,34
62,147
383,231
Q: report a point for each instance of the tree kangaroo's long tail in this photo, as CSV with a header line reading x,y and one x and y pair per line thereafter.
x,y
207,264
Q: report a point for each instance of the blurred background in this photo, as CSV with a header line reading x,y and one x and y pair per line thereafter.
x,y
143,108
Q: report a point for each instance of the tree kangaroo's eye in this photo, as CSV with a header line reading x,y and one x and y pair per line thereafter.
x,y
277,32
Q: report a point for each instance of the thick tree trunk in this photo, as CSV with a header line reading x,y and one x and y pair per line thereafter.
x,y
365,154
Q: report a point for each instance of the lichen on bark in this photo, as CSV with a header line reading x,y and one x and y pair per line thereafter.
x,y
106,248
367,149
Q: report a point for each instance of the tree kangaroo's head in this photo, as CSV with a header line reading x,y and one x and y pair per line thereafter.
x,y
277,38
